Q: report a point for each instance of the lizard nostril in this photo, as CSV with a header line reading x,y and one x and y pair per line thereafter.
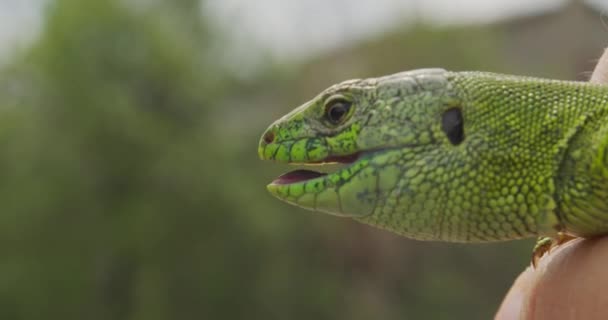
x,y
268,137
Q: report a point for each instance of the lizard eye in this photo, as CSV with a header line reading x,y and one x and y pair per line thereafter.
x,y
452,125
336,111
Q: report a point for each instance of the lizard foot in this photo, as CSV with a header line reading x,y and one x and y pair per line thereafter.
x,y
545,244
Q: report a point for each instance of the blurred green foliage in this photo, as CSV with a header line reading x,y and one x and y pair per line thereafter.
x,y
131,187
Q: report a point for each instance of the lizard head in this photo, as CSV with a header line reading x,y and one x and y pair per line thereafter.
x,y
377,127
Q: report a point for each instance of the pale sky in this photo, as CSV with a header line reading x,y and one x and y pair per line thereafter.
x,y
298,28
19,22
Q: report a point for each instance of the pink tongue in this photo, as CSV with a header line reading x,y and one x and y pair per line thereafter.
x,y
298,176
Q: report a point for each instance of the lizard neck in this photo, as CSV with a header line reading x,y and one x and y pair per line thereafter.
x,y
582,178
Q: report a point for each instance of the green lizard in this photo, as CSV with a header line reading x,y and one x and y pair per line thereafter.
x,y
454,156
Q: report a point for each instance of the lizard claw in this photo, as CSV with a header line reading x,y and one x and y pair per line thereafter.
x,y
542,246
545,244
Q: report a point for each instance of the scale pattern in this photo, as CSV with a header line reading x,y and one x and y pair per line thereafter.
x,y
532,162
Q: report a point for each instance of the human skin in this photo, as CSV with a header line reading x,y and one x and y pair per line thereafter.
x,y
570,282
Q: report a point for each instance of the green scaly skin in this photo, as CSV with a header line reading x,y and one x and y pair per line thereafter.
x,y
533,160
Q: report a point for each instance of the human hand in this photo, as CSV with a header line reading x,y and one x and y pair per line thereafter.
x,y
570,282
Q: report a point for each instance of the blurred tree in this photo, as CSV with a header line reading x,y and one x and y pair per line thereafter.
x,y
101,225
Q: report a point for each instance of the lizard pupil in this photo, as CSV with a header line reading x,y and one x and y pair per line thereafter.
x,y
452,125
336,111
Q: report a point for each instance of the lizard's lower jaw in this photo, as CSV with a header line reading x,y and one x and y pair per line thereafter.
x,y
333,193
302,176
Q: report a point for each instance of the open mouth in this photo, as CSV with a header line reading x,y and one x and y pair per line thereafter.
x,y
302,175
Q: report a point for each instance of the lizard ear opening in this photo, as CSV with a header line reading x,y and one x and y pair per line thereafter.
x,y
452,125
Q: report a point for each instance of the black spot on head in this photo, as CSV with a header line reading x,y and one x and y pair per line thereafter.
x,y
452,124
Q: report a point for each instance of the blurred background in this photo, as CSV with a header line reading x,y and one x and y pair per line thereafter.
x,y
130,186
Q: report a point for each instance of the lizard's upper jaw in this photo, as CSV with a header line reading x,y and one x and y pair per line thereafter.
x,y
301,175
